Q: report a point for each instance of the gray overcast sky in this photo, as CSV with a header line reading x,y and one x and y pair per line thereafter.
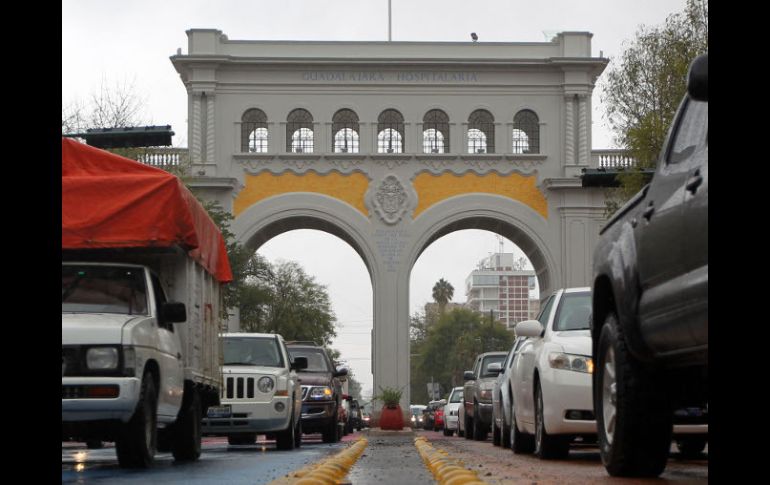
x,y
132,41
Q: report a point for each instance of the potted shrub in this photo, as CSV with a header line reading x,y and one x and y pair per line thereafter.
x,y
392,417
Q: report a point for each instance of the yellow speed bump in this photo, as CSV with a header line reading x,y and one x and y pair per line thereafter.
x,y
327,472
445,470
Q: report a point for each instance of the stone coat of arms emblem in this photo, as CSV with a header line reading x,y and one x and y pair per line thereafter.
x,y
390,199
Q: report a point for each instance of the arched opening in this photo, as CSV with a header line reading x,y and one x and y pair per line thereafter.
x,y
328,242
490,278
350,290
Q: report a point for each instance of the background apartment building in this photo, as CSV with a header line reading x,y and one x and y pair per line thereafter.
x,y
500,286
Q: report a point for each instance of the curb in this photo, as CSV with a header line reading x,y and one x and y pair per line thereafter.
x,y
445,470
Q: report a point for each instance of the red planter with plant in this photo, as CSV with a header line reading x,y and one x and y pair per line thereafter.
x,y
391,418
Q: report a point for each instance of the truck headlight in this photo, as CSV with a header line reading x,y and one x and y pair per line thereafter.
x,y
577,363
265,384
102,358
321,393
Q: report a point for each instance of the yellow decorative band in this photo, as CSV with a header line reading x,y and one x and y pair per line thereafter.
x,y
349,188
432,189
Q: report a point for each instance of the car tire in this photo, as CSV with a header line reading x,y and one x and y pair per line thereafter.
x,y
468,427
495,433
94,444
691,447
242,439
298,434
448,432
505,435
479,433
633,418
547,447
520,442
331,434
186,432
285,440
137,439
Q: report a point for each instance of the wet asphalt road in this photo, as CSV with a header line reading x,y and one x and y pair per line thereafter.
x,y
390,458
219,463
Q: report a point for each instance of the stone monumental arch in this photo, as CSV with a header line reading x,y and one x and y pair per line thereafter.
x,y
392,145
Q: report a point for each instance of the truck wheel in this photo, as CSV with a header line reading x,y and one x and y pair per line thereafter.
x,y
285,439
547,446
632,413
691,447
186,434
505,435
521,442
135,444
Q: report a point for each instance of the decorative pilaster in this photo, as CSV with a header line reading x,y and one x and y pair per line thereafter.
x,y
583,141
209,129
569,142
195,142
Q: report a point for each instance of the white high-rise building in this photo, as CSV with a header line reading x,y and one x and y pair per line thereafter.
x,y
501,286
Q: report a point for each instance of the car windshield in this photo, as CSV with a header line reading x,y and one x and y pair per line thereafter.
x,y
103,289
457,396
262,351
574,312
490,359
315,359
417,411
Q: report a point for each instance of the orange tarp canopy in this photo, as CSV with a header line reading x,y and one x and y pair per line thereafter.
x,y
109,201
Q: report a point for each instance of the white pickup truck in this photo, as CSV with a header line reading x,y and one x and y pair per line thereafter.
x,y
142,265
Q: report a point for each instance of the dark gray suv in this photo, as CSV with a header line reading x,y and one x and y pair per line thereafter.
x,y
321,391
650,300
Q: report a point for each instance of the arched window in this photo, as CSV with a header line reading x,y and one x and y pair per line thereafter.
x,y
390,132
435,135
526,132
345,129
481,132
299,131
254,137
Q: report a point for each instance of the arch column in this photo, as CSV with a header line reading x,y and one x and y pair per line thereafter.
x,y
390,342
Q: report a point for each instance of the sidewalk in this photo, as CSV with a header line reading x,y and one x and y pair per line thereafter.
x,y
390,458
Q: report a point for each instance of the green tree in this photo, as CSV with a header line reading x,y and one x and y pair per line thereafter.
x,y
643,89
297,306
442,293
450,347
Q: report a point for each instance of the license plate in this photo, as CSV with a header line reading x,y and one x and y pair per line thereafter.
x,y
220,411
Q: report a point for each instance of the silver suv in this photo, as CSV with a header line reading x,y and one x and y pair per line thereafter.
x,y
261,392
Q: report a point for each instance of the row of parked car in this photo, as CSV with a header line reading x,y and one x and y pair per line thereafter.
x,y
282,390
538,397
623,363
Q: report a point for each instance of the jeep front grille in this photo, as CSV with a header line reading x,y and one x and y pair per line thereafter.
x,y
239,388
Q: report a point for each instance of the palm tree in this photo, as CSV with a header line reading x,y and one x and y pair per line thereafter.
x,y
442,293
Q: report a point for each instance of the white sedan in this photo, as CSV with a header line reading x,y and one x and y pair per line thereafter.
x,y
451,411
552,389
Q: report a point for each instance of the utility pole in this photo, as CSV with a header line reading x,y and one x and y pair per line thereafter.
x,y
389,30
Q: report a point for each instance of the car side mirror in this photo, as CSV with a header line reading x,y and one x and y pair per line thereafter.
x,y
173,312
340,372
528,328
494,368
468,375
299,363
698,78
